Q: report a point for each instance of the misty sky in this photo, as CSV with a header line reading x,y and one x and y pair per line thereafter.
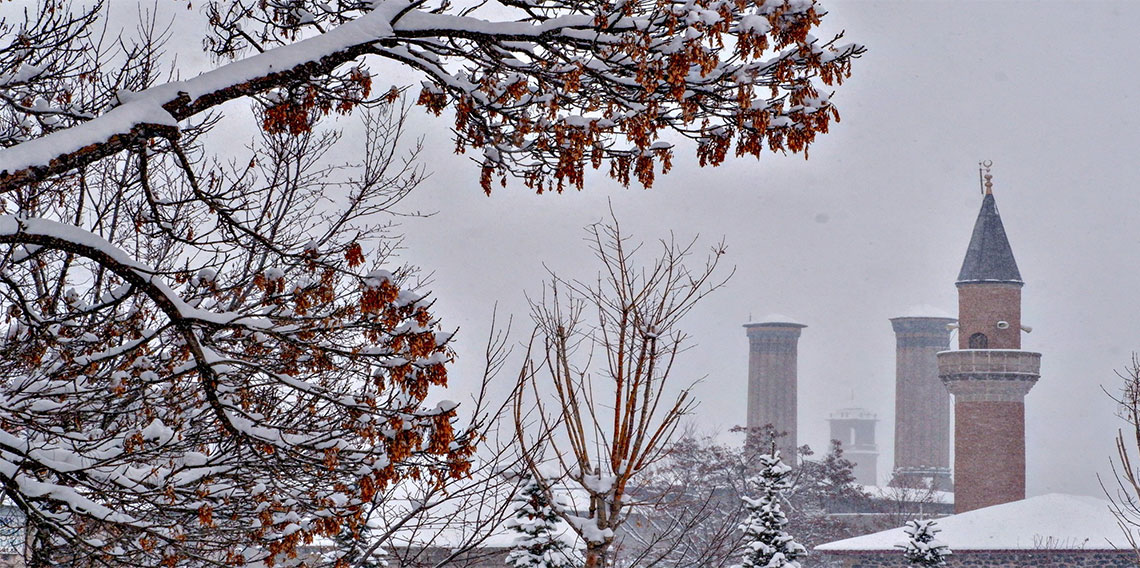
x,y
875,223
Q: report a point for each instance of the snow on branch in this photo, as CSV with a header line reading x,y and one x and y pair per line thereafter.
x,y
567,86
46,233
156,111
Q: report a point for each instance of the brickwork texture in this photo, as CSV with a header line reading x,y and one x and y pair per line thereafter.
x,y
922,404
982,306
772,370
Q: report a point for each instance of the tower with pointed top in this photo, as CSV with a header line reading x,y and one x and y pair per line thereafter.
x,y
989,375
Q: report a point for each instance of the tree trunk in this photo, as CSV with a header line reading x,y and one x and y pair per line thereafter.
x,y
597,554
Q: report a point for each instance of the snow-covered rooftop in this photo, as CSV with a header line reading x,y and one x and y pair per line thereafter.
x,y
1053,522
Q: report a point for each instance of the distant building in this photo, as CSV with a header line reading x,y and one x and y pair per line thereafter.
x,y
989,375
772,374
922,404
1056,531
855,430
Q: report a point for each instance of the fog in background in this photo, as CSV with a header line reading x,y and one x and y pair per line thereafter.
x,y
875,223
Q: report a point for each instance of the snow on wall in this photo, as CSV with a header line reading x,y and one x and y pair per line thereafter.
x,y
1054,522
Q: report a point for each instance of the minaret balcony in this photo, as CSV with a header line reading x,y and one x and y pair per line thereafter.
x,y
989,374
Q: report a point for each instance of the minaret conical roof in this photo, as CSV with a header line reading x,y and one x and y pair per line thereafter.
x,y
989,257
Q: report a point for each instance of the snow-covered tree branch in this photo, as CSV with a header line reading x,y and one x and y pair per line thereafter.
x,y
766,544
541,91
210,358
200,366
922,547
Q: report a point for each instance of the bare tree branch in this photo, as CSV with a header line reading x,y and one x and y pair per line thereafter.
x,y
606,426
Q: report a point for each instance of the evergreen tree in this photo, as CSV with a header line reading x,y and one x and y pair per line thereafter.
x,y
351,548
821,487
538,529
923,549
766,544
838,472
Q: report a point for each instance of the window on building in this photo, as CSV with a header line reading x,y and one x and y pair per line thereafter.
x,y
979,341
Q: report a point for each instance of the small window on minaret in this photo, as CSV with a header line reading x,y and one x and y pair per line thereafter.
x,y
979,341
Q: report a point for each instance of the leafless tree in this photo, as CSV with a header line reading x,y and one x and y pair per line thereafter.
x,y
599,375
688,508
904,501
1123,490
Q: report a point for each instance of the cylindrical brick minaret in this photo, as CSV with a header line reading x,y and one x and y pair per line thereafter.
x,y
922,405
989,388
989,375
772,386
981,307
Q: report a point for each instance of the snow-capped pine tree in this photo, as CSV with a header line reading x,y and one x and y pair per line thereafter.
x,y
538,527
351,548
923,549
765,542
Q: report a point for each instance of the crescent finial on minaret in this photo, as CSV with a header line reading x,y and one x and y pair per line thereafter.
x,y
987,184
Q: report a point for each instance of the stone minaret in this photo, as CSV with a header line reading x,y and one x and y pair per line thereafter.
x,y
989,375
855,430
922,405
772,380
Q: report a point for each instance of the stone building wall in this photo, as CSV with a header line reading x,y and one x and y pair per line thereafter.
x,y
1002,559
990,471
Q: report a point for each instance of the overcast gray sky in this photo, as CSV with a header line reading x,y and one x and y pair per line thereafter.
x,y
877,221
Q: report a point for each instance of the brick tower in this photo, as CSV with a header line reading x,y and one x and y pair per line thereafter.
x,y
855,430
989,375
772,380
922,405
